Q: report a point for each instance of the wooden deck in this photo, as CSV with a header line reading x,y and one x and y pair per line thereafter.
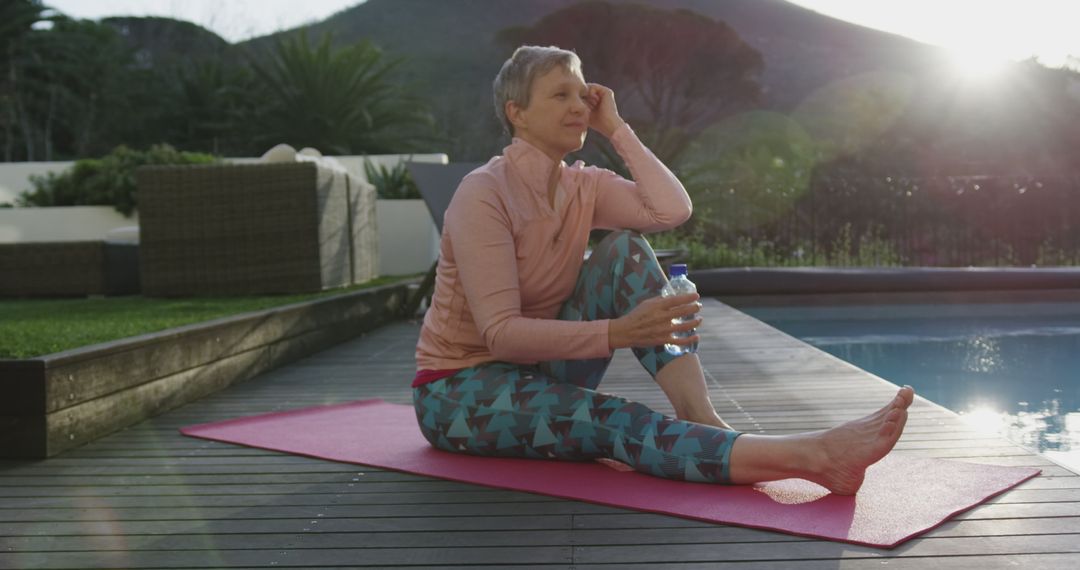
x,y
148,497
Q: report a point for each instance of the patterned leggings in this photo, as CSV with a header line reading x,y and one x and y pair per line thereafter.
x,y
552,410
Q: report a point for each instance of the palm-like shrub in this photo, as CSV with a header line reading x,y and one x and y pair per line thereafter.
x,y
210,106
391,183
340,101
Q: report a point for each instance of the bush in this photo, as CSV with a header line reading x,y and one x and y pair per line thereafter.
x,y
106,181
867,249
391,183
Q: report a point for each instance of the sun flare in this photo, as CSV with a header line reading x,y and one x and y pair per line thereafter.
x,y
974,63
983,419
982,36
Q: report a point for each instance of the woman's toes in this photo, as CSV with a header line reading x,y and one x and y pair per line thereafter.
x,y
907,395
891,423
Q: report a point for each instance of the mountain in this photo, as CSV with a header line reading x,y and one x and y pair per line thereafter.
x,y
165,41
818,69
452,55
451,52
802,49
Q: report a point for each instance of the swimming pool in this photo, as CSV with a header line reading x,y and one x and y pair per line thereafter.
x,y
1010,367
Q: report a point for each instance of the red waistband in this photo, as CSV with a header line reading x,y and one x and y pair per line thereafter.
x,y
429,376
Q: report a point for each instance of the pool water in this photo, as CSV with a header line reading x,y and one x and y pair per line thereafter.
x,y
1011,368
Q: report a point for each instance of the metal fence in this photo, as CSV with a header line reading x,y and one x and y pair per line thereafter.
x,y
932,221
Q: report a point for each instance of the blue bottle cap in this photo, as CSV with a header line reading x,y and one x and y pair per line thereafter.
x,y
678,269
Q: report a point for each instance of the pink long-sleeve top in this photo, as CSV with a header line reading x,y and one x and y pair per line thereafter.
x,y
509,259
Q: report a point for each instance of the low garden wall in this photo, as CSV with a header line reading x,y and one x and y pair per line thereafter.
x,y
60,223
61,401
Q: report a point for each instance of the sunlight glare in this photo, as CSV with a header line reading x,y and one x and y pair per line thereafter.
x,y
977,63
983,419
1011,30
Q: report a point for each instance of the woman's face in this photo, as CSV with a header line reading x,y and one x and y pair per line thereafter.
x,y
557,118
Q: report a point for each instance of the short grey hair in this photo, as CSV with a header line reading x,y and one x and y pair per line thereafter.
x,y
515,79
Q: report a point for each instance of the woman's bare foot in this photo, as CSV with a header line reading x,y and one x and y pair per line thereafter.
x,y
848,449
836,458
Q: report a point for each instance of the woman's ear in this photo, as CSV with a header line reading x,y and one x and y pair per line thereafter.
x,y
515,115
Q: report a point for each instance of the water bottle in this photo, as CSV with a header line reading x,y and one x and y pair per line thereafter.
x,y
680,285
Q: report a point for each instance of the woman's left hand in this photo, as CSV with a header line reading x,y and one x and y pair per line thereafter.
x,y
604,115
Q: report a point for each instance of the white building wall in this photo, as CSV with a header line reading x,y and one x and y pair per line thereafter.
x,y
15,176
60,223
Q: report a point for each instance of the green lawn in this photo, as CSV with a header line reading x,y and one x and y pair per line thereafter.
x,y
33,327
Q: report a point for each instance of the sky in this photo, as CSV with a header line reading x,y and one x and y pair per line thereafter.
x,y
234,20
974,29
980,32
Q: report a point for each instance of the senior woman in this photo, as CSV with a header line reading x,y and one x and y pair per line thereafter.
x,y
520,330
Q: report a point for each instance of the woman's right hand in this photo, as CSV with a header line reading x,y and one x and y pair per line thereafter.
x,y
603,114
649,324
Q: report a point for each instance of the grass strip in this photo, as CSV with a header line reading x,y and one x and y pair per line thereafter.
x,y
35,327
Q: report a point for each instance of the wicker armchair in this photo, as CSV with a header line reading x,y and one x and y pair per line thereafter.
x,y
241,229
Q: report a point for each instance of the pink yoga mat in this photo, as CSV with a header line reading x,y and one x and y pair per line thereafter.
x,y
901,498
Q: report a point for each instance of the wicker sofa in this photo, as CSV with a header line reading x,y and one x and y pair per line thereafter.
x,y
48,269
241,229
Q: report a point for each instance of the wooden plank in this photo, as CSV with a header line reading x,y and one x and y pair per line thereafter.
x,y
246,526
85,374
183,469
315,510
1041,561
801,550
311,558
361,492
78,424
303,535
212,479
1010,519
23,383
705,533
138,503
432,497
308,539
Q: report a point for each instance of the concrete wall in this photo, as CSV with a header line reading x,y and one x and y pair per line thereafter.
x,y
60,223
408,240
15,176
355,163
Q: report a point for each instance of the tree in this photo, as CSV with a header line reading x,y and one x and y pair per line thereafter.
x,y
67,86
17,19
339,101
90,75
675,73
747,171
211,104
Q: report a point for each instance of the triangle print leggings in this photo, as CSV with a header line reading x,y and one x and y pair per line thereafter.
x,y
552,410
